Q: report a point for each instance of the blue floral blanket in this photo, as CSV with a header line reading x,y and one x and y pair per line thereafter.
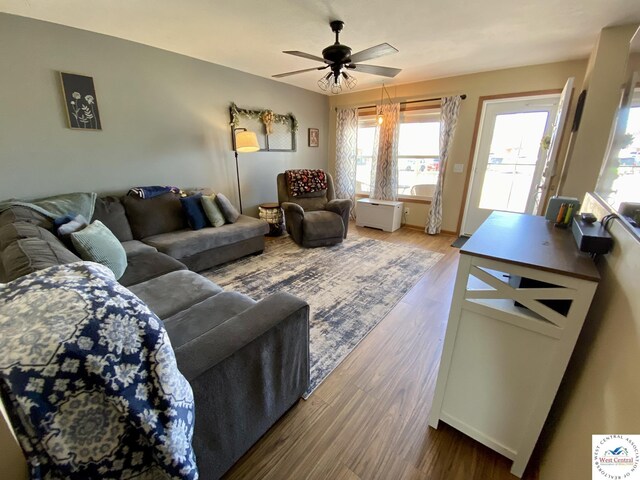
x,y
89,379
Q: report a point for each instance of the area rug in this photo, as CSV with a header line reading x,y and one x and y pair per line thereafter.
x,y
350,287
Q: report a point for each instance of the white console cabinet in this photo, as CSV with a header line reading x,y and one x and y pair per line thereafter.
x,y
521,296
383,214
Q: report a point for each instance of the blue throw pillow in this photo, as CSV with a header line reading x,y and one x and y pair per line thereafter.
x,y
192,207
66,225
58,222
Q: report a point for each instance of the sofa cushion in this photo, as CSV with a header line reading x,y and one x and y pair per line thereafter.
x,y
311,204
212,210
321,224
190,242
96,243
11,232
176,291
29,255
110,211
202,317
24,214
136,247
194,212
226,207
153,216
147,265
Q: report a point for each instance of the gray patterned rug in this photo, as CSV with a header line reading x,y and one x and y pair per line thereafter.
x,y
350,288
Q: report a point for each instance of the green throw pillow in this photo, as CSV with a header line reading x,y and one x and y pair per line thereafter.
x,y
96,243
212,210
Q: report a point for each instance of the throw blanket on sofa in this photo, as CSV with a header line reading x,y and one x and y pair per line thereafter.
x,y
90,381
305,181
59,205
153,191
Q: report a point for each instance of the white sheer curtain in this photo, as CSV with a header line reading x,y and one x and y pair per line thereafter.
x,y
448,122
384,168
346,152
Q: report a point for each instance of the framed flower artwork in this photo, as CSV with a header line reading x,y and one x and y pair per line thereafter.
x,y
80,102
314,137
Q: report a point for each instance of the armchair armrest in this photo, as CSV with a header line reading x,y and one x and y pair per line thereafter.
x,y
202,353
293,216
339,205
294,208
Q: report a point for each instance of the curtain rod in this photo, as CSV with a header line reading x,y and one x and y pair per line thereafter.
x,y
462,97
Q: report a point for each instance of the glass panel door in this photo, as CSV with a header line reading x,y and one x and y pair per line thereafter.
x,y
509,158
512,161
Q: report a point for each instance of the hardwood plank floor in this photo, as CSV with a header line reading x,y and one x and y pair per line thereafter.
x,y
369,419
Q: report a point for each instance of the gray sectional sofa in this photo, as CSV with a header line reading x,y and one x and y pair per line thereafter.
x,y
247,361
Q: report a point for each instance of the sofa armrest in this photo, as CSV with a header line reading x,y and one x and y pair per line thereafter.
x,y
341,206
203,352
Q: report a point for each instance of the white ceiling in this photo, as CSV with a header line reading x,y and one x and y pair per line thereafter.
x,y
435,38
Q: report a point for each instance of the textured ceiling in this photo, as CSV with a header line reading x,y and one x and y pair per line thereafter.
x,y
435,38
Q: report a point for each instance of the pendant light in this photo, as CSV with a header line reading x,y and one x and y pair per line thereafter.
x,y
383,90
380,118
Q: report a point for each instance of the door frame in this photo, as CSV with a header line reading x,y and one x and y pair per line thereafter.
x,y
474,141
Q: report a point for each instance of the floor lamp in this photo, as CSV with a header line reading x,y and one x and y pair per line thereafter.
x,y
244,142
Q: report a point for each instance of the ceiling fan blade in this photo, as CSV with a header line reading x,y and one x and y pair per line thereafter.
x,y
375,70
280,75
373,52
306,55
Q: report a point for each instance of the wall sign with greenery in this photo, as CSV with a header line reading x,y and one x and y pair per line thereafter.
x,y
276,132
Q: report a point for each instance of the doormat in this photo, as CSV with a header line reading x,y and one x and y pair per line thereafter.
x,y
460,241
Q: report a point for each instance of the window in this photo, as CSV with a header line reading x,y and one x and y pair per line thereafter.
x,y
620,178
618,184
418,152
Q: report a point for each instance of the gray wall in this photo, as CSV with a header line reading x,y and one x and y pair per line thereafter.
x,y
165,118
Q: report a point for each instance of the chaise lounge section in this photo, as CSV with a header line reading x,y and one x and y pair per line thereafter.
x,y
246,360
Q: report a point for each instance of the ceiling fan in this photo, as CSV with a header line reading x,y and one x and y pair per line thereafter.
x,y
339,59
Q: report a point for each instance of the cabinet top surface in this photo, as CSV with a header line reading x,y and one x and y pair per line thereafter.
x,y
379,202
530,241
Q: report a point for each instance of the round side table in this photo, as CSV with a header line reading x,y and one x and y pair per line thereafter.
x,y
273,215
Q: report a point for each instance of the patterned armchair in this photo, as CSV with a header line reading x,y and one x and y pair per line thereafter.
x,y
314,219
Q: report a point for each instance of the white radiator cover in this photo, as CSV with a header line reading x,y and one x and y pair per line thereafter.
x,y
383,214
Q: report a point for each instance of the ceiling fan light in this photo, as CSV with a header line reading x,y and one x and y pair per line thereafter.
x,y
336,87
325,82
350,80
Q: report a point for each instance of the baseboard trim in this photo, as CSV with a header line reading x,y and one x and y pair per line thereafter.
x,y
421,228
413,227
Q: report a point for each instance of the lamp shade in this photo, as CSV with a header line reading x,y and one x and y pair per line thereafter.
x,y
246,142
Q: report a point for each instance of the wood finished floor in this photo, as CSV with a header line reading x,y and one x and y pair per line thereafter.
x,y
369,419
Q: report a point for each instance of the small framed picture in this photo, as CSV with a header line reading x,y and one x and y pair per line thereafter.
x,y
80,101
314,137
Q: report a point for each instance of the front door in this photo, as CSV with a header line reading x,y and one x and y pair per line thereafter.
x,y
509,157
